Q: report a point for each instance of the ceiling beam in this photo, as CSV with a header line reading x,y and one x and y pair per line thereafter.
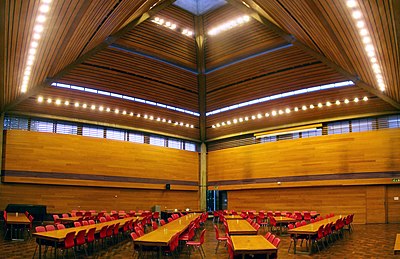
x,y
2,53
255,11
107,42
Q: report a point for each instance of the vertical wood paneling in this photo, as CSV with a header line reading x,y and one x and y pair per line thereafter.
x,y
393,206
376,210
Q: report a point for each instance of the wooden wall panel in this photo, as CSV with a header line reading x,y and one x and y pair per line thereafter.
x,y
340,200
393,206
376,209
108,162
371,152
65,198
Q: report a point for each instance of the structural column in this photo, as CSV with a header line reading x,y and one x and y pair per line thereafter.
x,y
201,81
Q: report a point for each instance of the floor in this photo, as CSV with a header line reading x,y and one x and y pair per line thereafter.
x,y
366,241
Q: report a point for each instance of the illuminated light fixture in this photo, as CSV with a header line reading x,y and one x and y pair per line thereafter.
x,y
213,126
259,116
116,111
138,115
228,122
38,29
101,108
93,107
296,109
145,116
187,32
58,102
169,121
192,126
304,107
229,25
240,119
369,48
187,125
218,125
253,117
346,101
287,110
151,117
158,119
181,124
267,114
337,102
328,103
365,98
246,118
40,99
311,106
124,112
76,104
131,114
288,131
49,100
280,112
223,123
356,100
108,109
66,103
235,121
274,113
84,105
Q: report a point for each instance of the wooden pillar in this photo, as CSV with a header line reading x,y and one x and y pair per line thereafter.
x,y
201,81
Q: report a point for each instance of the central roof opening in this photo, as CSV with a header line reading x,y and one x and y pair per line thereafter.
x,y
199,7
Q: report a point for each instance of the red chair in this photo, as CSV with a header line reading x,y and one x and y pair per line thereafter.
x,y
136,248
60,226
307,215
50,228
170,219
154,225
162,222
261,222
219,238
278,214
198,244
77,224
90,238
276,242
39,229
110,232
101,235
170,250
267,235
319,237
273,223
108,218
116,232
56,219
91,222
188,235
271,238
156,216
80,240
65,215
139,231
103,219
69,242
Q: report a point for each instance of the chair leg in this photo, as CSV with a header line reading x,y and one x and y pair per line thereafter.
x,y
216,249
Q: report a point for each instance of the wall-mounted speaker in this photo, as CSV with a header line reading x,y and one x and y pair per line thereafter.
x,y
167,186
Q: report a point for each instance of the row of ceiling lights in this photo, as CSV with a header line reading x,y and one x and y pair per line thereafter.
x,y
101,108
172,26
367,41
229,25
38,29
286,111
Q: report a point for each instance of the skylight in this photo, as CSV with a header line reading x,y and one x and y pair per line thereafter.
x,y
282,95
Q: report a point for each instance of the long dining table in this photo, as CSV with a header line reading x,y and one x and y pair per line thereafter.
x,y
311,230
17,219
58,236
252,244
240,227
162,236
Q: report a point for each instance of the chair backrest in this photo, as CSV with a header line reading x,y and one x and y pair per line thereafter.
x,y
271,238
77,224
103,232
277,213
91,222
103,219
30,217
216,232
134,236
80,237
276,242
267,235
79,213
85,223
154,224
69,240
162,222
108,218
56,218
110,230
170,219
60,226
65,215
202,236
40,229
290,226
321,232
50,228
116,228
90,235
156,215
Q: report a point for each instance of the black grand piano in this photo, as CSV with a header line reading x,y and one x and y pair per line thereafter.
x,y
37,211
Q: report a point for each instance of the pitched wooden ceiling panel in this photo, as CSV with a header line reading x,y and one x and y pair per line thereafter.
x,y
102,78
239,42
159,41
32,106
135,64
270,84
273,62
372,106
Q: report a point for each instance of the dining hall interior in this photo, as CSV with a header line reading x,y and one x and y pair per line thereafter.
x,y
200,128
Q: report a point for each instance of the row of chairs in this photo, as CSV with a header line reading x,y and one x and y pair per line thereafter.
x,y
27,228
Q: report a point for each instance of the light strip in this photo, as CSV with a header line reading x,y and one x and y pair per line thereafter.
x,y
125,97
229,25
282,95
172,26
365,35
102,108
288,110
38,29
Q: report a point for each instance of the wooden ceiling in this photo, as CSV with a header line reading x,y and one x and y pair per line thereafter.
x,y
114,46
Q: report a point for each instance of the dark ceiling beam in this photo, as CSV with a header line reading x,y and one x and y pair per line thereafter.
x,y
2,53
255,11
107,42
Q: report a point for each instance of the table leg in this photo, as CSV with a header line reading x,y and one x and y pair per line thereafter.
x,y
40,248
55,249
295,244
159,252
11,233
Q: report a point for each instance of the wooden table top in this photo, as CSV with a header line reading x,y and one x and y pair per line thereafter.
x,y
397,245
312,228
254,244
240,227
59,235
163,235
232,217
284,219
12,218
70,219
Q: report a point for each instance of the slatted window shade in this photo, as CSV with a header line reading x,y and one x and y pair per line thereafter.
x,y
339,127
173,143
362,125
95,132
42,126
135,137
190,146
16,123
157,141
115,134
311,133
66,128
268,139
